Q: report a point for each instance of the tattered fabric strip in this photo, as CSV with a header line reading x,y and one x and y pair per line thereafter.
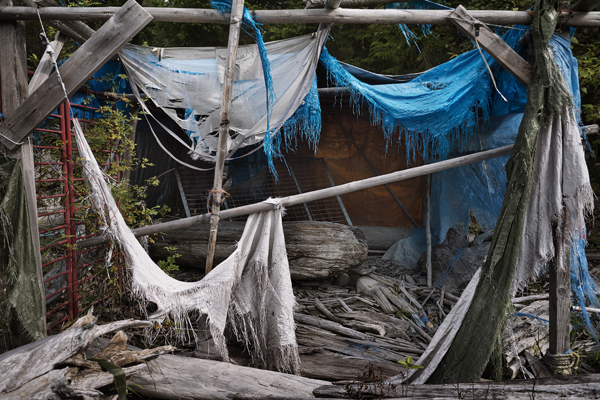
x,y
251,291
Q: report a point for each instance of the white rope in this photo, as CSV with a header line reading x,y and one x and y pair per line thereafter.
x,y
50,51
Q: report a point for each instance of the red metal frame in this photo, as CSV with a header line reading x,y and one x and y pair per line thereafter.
x,y
67,306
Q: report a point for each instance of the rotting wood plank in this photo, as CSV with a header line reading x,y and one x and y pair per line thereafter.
x,y
317,194
493,45
13,78
235,26
113,35
340,15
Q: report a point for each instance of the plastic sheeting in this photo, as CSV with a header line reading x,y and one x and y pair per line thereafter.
x,y
186,83
434,113
22,298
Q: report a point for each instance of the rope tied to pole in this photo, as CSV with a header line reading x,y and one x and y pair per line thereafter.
x,y
210,195
562,364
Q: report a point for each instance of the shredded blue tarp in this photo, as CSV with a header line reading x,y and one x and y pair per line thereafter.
x,y
417,5
434,113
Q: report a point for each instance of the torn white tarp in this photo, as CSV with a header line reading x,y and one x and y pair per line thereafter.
x,y
251,290
187,84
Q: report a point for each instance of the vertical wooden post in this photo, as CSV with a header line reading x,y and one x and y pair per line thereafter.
x,y
560,298
13,77
428,228
237,10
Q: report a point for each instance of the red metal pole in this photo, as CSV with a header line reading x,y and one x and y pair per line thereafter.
x,y
71,208
71,293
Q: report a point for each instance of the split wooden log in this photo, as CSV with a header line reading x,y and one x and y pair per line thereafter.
x,y
54,367
383,295
316,250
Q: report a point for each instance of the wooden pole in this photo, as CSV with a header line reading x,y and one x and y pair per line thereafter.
x,y
13,77
428,229
493,45
340,15
560,266
46,64
317,194
237,11
74,72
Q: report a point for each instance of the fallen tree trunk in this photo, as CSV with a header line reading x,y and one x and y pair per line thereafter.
x,y
55,367
315,250
558,387
174,377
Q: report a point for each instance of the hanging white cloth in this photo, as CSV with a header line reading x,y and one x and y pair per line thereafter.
x,y
251,290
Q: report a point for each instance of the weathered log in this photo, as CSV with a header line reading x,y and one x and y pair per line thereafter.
x,y
55,367
315,249
347,16
558,387
174,377
23,364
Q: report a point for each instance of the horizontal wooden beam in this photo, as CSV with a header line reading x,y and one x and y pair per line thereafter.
x,y
348,3
106,42
340,15
316,194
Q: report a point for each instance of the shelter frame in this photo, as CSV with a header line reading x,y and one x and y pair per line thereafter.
x,y
331,13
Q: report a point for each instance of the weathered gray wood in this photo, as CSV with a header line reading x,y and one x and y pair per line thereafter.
x,y
237,10
558,387
75,71
525,299
173,377
44,68
590,129
493,45
13,78
427,202
334,367
23,364
331,326
373,349
347,3
317,194
560,298
76,30
316,250
340,15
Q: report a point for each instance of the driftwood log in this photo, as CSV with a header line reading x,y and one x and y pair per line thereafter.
x,y
175,377
558,387
315,250
56,368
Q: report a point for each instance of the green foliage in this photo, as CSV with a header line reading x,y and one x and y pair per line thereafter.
x,y
169,264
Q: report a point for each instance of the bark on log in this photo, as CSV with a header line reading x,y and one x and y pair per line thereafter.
x,y
315,250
